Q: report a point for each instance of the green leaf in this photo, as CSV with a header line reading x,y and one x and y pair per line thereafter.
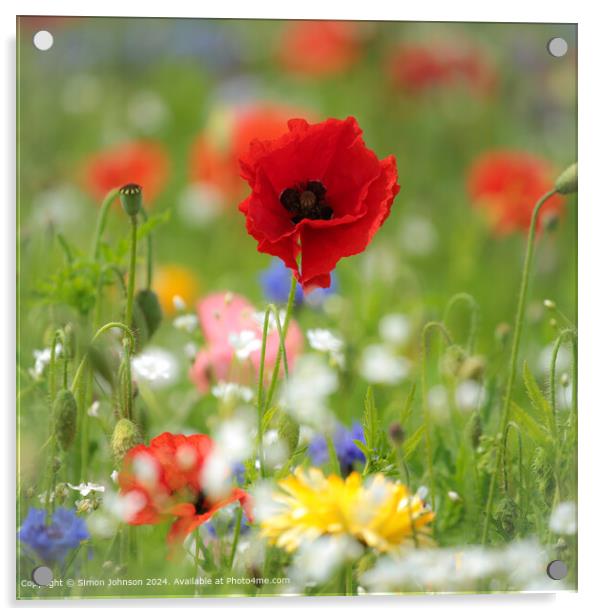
x,y
371,422
538,400
406,411
332,455
412,442
534,429
152,222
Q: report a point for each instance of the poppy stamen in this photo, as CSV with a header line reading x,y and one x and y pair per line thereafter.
x,y
306,201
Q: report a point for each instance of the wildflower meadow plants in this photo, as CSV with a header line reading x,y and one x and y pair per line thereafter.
x,y
358,374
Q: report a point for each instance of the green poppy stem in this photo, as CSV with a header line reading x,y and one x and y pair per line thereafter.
x,y
518,328
102,221
129,307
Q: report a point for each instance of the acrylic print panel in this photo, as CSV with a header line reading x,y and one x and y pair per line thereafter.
x,y
297,308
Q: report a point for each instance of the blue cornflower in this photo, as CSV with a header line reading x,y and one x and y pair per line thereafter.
x,y
52,542
276,283
244,526
347,451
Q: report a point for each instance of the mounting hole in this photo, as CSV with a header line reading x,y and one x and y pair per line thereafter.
x,y
42,576
558,47
557,570
43,40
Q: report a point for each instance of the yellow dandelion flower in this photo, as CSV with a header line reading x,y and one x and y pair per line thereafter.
x,y
379,513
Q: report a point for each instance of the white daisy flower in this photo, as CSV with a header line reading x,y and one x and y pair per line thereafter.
x,y
42,359
86,488
186,322
244,343
231,392
563,520
156,366
395,329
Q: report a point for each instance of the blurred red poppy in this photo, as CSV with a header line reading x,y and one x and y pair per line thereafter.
x,y
215,164
319,48
418,68
507,184
164,480
140,162
317,191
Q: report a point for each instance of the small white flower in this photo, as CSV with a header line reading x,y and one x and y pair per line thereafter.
x,y
259,318
216,475
158,367
93,410
563,520
115,476
244,343
178,303
86,488
380,365
453,496
469,395
42,359
190,350
231,392
186,322
563,359
234,437
395,329
324,340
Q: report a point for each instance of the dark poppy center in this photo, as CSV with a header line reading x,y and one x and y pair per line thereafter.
x,y
201,505
306,201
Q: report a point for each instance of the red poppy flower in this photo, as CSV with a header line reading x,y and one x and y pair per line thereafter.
x,y
507,184
164,479
419,68
143,162
216,164
319,48
318,191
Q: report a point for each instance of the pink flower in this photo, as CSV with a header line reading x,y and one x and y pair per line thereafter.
x,y
233,329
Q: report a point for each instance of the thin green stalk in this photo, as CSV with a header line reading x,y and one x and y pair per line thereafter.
x,y
237,526
281,349
131,271
436,326
149,253
474,316
349,579
518,328
566,333
102,222
106,327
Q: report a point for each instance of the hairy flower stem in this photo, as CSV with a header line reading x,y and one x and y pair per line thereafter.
x,y
432,326
129,307
263,406
282,349
149,252
102,222
518,328
237,526
474,316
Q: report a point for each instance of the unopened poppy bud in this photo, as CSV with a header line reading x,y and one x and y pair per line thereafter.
x,y
149,305
64,412
567,180
396,433
130,196
125,436
472,368
476,430
288,431
452,360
